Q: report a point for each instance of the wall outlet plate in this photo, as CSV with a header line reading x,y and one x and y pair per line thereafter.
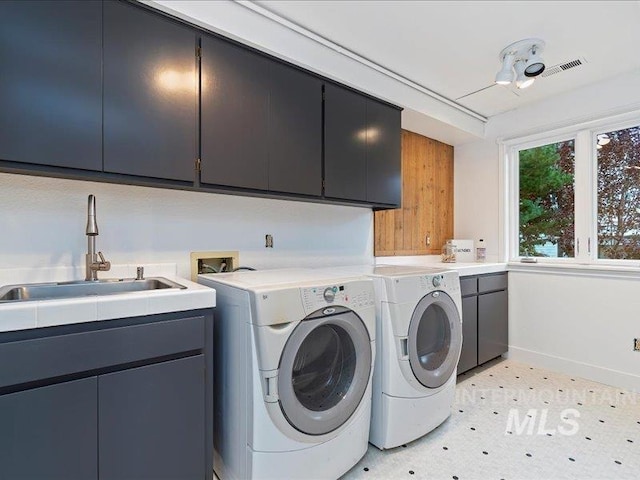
x,y
636,344
212,262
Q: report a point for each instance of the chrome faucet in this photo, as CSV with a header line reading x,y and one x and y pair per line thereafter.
x,y
92,265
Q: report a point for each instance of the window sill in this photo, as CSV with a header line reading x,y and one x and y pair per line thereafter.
x,y
575,269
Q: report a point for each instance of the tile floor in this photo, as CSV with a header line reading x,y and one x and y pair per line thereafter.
x,y
578,429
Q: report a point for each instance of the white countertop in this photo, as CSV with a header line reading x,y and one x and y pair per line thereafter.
x,y
47,313
433,261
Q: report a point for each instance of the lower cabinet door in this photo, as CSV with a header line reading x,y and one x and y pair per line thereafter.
x,y
493,324
469,354
152,421
50,432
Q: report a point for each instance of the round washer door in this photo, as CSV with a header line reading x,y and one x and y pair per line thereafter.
x,y
435,339
324,370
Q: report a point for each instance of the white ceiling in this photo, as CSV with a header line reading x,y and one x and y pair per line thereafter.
x,y
452,47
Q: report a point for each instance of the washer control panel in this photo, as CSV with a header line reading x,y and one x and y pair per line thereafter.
x,y
314,298
431,282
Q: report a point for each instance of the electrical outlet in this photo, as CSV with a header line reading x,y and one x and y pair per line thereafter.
x,y
636,344
268,241
212,262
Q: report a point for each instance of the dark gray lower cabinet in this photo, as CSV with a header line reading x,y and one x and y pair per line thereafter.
x,y
50,432
120,399
485,319
151,421
469,353
493,335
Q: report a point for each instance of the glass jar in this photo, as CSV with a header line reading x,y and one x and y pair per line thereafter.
x,y
449,252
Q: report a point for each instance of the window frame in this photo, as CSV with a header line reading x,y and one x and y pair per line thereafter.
x,y
585,188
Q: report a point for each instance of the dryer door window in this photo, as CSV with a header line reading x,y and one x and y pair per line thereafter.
x,y
324,372
435,339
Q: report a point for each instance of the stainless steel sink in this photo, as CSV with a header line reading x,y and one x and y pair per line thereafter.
x,y
48,291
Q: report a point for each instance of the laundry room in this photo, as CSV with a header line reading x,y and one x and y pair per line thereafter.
x,y
400,239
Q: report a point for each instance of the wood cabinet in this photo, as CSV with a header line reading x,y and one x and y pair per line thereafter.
x,y
485,319
139,403
51,83
362,148
425,220
150,94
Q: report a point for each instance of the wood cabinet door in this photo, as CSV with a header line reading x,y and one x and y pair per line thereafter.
x,y
150,94
50,432
345,143
425,220
51,83
152,421
295,131
235,113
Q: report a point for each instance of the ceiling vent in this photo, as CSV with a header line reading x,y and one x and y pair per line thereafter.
x,y
563,66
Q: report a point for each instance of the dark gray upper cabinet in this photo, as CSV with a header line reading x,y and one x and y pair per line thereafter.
x,y
50,432
384,182
150,94
235,113
345,143
362,148
295,131
51,83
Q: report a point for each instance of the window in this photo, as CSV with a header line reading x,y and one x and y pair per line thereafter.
x,y
618,157
575,193
546,176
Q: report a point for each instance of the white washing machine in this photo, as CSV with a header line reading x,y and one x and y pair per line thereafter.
x,y
293,362
419,339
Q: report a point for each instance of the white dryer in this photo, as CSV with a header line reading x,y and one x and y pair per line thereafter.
x,y
293,362
419,339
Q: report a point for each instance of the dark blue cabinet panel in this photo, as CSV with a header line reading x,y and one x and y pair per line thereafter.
x,y
361,148
151,421
469,353
235,112
150,94
384,182
51,83
50,432
345,143
295,131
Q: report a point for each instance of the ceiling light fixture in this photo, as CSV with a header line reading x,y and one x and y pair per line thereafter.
x,y
524,58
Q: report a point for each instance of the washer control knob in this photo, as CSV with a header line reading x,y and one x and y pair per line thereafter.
x,y
329,294
437,281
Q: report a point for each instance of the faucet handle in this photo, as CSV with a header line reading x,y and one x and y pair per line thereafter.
x,y
103,265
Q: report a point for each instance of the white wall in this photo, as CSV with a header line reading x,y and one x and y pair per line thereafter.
x,y
42,224
581,325
570,323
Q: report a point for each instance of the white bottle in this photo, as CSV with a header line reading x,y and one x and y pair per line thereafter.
x,y
481,251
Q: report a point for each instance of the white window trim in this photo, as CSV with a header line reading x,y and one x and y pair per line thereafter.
x,y
584,136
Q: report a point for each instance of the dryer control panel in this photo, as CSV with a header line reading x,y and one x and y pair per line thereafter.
x,y
346,294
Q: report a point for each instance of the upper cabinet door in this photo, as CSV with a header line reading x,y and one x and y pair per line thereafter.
x,y
51,83
295,131
345,143
150,94
384,183
235,113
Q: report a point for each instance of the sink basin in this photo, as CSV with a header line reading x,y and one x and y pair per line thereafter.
x,y
48,291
